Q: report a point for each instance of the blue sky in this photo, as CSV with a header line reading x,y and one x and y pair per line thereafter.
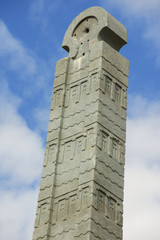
x,y
31,34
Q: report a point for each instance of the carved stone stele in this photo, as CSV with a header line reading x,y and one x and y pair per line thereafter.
x,y
81,191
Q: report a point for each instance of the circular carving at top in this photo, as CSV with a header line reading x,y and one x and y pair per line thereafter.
x,y
93,24
85,27
83,33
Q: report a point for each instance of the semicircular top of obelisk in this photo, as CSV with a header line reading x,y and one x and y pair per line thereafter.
x,y
93,24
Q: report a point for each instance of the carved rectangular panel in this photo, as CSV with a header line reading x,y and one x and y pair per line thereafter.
x,y
69,150
108,84
45,157
117,93
110,147
112,208
119,215
124,98
109,206
50,154
72,204
94,82
85,197
80,146
84,86
74,94
42,213
101,201
104,141
90,138
114,148
53,101
62,209
59,98
52,151
122,154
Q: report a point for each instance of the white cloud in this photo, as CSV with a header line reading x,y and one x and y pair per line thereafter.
x,y
21,150
17,214
21,156
142,203
142,192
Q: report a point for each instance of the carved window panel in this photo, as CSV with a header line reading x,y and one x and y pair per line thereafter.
x,y
113,91
37,218
99,140
69,151
101,201
119,219
80,145
62,209
59,98
94,82
52,153
102,82
84,87
53,101
45,157
112,208
43,210
114,148
104,141
42,217
72,204
117,93
110,146
124,98
122,154
74,94
119,152
108,84
85,197
90,142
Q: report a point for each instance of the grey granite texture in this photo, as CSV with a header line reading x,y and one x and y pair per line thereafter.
x,y
81,190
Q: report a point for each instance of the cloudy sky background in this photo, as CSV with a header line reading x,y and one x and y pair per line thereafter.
x,y
31,34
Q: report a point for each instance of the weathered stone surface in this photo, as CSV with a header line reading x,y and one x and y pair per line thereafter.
x,y
81,191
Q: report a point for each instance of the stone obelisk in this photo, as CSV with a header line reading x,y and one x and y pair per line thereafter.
x,y
81,191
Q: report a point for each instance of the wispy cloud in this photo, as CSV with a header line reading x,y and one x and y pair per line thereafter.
x,y
15,54
144,8
42,117
138,8
30,70
41,10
